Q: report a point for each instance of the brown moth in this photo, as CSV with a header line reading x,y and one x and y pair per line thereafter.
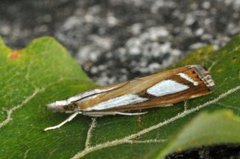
x,y
158,90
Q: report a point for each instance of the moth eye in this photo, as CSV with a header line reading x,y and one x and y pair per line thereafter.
x,y
71,106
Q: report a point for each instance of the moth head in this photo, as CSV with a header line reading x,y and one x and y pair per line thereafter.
x,y
61,106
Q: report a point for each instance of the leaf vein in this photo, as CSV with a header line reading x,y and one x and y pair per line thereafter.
x,y
12,110
89,133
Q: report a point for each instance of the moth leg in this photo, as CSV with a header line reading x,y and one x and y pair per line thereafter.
x,y
185,105
99,114
130,114
168,105
70,118
162,106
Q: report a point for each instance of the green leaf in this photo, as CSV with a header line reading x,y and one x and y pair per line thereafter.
x,y
31,78
44,72
205,129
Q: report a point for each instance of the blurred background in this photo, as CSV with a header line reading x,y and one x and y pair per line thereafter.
x,y
116,40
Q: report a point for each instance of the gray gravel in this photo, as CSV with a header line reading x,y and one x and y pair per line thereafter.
x,y
116,40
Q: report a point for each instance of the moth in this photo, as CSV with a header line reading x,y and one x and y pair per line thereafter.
x,y
158,90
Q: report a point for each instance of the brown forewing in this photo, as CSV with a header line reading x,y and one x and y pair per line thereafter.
x,y
140,85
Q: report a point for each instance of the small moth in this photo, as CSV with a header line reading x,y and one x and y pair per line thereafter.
x,y
157,90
